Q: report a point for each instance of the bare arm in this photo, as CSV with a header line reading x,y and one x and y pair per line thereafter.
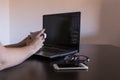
x,y
19,44
13,56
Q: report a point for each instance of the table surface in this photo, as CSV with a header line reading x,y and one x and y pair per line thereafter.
x,y
104,65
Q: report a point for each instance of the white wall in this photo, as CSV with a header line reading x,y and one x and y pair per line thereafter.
x,y
99,25
110,21
4,22
109,24
26,15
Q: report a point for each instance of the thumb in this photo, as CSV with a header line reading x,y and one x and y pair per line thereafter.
x,y
41,32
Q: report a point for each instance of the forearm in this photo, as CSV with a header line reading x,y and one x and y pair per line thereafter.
x,y
15,56
11,56
16,45
19,44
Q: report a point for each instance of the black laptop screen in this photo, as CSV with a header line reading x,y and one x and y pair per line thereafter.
x,y
62,29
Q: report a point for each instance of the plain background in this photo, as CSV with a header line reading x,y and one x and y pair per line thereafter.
x,y
100,19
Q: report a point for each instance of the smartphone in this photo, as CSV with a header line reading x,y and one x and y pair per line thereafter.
x,y
81,66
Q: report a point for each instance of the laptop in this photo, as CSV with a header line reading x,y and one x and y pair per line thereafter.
x,y
63,34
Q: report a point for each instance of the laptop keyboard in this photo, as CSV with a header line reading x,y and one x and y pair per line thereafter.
x,y
52,50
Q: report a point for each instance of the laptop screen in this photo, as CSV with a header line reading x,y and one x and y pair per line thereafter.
x,y
62,29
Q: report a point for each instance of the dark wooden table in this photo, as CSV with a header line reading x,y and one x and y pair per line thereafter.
x,y
104,65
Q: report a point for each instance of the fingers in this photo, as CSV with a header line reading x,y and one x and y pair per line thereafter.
x,y
40,33
42,30
40,41
37,35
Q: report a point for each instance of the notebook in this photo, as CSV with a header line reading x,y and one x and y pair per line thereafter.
x,y
63,34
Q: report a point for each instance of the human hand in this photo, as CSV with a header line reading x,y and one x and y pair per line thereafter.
x,y
36,40
33,34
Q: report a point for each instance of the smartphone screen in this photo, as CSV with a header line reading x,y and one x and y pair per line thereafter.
x,y
67,65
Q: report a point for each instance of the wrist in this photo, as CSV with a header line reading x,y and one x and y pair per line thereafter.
x,y
32,49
